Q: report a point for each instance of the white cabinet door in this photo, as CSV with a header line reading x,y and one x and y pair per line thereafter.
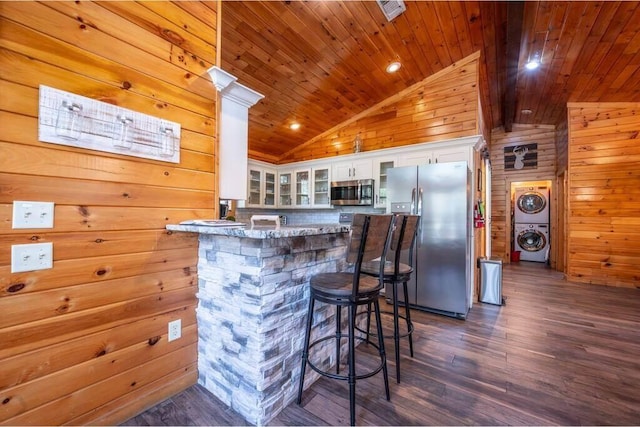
x,y
363,169
254,184
285,189
380,167
302,180
355,169
341,171
452,154
321,187
269,198
261,190
436,155
415,159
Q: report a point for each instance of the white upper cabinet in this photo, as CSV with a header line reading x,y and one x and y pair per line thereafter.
x,y
285,189
261,191
423,157
353,169
270,188
321,187
437,155
381,166
302,180
308,184
453,154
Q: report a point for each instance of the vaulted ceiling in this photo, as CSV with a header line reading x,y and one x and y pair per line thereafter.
x,y
321,62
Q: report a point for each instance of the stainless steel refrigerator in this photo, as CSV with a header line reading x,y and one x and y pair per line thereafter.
x,y
441,194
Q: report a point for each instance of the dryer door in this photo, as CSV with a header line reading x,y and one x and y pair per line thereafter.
x,y
531,202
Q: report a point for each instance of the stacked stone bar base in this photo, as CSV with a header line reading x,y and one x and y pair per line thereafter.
x,y
253,300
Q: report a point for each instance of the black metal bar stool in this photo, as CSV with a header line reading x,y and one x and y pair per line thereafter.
x,y
395,273
370,240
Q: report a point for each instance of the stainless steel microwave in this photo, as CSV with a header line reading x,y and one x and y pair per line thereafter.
x,y
352,193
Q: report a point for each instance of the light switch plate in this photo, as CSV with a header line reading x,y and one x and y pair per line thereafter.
x,y
36,256
28,214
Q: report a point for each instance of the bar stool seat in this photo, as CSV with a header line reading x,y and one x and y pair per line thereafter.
x,y
395,273
370,240
334,285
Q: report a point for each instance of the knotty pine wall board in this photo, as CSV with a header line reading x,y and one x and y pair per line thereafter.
x,y
70,406
71,245
33,303
62,355
100,36
604,194
104,193
48,160
38,392
562,146
86,341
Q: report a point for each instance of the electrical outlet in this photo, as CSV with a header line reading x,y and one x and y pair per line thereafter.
x,y
32,214
175,330
35,256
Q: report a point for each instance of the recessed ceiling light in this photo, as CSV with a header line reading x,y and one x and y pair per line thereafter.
x,y
526,111
534,61
294,126
393,67
532,65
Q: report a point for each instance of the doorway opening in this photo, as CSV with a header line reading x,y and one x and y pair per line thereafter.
x,y
531,223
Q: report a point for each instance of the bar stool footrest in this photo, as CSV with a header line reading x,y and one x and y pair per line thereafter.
x,y
340,376
373,334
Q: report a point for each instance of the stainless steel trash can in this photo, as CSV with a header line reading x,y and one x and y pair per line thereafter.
x,y
491,280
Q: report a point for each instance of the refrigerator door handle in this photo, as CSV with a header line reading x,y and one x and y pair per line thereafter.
x,y
419,212
413,202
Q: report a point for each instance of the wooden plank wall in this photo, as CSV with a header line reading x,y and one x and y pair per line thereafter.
x,y
559,243
604,194
86,341
444,106
562,147
501,197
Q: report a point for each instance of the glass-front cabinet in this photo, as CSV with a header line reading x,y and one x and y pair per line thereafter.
x,y
303,188
321,187
261,191
285,188
380,168
255,182
270,188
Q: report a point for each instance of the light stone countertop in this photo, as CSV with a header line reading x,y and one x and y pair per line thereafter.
x,y
263,232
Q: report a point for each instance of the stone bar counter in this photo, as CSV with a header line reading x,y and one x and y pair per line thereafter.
x,y
253,292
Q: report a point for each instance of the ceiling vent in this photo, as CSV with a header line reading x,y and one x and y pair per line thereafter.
x,y
392,8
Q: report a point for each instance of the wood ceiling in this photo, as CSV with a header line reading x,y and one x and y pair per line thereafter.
x,y
322,62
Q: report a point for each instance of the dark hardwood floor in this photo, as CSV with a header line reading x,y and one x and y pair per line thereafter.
x,y
557,353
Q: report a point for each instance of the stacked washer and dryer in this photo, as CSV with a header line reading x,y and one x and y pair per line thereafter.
x,y
531,223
